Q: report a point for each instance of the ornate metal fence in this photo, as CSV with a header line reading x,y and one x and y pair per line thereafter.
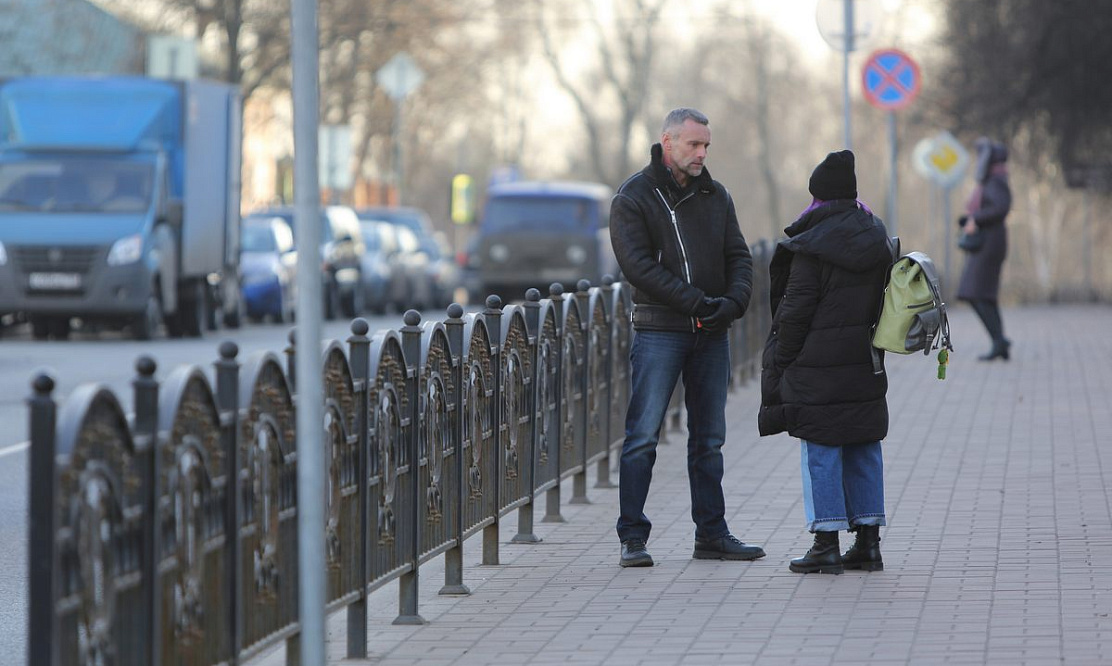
x,y
171,537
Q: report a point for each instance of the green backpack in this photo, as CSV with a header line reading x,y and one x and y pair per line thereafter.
x,y
912,314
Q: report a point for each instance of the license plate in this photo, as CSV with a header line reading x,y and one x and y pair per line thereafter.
x,y
57,281
558,274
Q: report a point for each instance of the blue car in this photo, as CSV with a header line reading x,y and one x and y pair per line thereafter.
x,y
268,264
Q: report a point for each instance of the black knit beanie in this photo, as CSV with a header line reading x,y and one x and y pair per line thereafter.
x,y
833,178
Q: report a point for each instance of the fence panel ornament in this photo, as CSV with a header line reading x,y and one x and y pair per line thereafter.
x,y
172,537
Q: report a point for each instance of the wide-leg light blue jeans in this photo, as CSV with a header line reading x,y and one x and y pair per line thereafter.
x,y
843,486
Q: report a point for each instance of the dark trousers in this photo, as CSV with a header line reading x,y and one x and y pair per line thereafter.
x,y
658,360
989,312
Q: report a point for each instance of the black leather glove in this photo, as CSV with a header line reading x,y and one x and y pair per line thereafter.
x,y
706,308
725,312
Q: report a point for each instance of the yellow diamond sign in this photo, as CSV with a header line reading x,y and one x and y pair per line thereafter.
x,y
942,158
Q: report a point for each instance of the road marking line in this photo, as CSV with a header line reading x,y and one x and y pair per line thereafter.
x,y
23,446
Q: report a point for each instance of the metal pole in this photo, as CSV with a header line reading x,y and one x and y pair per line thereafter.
x,y
946,222
1087,243
847,47
398,150
310,451
893,175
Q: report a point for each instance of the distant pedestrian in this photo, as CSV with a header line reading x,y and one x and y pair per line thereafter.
x,y
677,240
817,378
986,210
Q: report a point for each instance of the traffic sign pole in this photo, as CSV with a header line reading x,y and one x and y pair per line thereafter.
x,y
893,174
890,80
846,49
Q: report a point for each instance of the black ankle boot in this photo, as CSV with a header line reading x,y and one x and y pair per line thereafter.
x,y
865,552
824,556
999,350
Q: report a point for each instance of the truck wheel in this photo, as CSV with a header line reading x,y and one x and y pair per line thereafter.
x,y
353,302
60,328
40,328
212,304
235,313
285,308
145,326
191,309
331,302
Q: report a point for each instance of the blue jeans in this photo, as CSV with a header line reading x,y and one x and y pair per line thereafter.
x,y
658,359
843,486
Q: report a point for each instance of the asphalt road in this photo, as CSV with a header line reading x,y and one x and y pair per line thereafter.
x,y
109,359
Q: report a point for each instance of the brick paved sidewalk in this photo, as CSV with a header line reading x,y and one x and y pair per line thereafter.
x,y
998,549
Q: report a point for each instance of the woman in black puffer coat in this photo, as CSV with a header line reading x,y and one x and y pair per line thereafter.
x,y
818,381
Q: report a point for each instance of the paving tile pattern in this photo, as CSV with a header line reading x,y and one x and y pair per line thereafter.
x,y
998,548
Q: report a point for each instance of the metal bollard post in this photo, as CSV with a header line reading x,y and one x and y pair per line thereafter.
x,y
42,479
453,557
579,479
359,353
525,533
409,583
552,497
493,316
144,430
227,402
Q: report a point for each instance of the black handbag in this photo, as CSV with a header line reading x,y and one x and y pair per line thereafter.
x,y
971,242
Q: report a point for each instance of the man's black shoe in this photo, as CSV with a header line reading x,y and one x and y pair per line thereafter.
x,y
634,554
726,548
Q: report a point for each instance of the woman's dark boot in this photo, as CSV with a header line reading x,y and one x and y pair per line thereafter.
x,y
865,552
824,556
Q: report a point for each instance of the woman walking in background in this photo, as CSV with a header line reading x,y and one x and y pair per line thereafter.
x,y
987,207
817,376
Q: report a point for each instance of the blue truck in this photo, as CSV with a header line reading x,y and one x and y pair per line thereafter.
x,y
119,204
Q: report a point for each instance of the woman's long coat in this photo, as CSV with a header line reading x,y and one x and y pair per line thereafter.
x,y
981,277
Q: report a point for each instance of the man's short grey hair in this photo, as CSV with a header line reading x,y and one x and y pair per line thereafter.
x,y
677,117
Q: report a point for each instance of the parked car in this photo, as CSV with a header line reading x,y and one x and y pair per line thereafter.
x,y
378,269
467,262
535,233
341,251
268,268
412,285
445,273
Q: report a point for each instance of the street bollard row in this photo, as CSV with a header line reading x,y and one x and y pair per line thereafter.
x,y
171,537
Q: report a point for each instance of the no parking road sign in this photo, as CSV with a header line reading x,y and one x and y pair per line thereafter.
x,y
890,79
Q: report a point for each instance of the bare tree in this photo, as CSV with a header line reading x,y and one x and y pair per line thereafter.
x,y
625,49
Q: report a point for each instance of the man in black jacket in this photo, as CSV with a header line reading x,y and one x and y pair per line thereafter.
x,y
677,240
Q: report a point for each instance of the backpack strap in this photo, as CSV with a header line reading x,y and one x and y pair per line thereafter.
x,y
878,358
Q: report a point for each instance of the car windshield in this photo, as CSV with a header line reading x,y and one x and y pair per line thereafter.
x,y
258,238
85,184
288,215
409,219
539,214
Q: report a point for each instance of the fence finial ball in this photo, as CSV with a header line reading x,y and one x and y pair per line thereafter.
x,y
360,326
493,302
608,279
43,383
455,311
145,365
411,318
228,350
583,285
533,295
555,289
